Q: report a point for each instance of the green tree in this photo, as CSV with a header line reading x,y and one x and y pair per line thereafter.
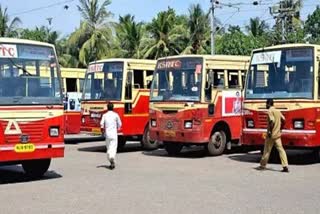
x,y
8,28
42,34
257,27
312,26
165,34
95,32
235,42
199,30
129,35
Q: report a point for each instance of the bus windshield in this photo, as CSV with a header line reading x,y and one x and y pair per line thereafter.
x,y
28,75
177,80
103,81
281,74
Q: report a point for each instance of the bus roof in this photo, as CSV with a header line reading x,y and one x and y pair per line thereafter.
x,y
24,41
147,61
211,57
287,46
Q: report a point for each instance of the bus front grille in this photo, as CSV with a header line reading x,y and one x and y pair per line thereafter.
x,y
34,130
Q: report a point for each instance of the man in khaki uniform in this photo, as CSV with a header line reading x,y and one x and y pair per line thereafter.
x,y
275,118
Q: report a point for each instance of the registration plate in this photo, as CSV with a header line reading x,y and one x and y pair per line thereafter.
x,y
169,133
96,130
22,148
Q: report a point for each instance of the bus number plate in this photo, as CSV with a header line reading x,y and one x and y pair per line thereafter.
x,y
96,130
169,133
22,148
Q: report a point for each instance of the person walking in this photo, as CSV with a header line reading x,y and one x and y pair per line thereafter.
x,y
275,119
110,123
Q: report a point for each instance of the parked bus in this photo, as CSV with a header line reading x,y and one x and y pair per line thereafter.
x,y
196,100
31,110
72,112
126,83
73,80
290,75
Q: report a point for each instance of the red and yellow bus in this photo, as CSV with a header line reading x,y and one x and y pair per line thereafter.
x,y
31,110
196,99
73,80
290,75
126,83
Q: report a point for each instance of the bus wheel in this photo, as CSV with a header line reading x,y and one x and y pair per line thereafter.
x,y
147,143
36,168
121,142
217,143
172,148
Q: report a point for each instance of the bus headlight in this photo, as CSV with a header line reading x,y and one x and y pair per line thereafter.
x,y
83,120
250,123
188,124
153,123
54,131
298,124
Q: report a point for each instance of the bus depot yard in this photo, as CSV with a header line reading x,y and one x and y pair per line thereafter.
x,y
152,182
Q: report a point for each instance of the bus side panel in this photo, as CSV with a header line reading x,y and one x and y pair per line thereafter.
x,y
73,122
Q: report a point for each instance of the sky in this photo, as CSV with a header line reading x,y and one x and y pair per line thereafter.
x,y
66,21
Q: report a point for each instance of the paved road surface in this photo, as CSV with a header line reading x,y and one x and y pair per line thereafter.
x,y
151,182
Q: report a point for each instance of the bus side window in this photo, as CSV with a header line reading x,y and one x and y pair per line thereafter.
x,y
208,85
149,75
128,88
138,79
233,79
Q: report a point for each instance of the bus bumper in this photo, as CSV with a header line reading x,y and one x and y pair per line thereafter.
x,y
289,138
42,151
179,136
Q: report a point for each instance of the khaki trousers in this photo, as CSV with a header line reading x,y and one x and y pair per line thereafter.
x,y
267,150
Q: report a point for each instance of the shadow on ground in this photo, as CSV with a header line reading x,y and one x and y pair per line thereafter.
x,y
129,147
295,157
75,139
14,174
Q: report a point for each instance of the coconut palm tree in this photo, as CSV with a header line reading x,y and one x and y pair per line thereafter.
x,y
199,30
164,33
94,33
129,35
8,28
257,27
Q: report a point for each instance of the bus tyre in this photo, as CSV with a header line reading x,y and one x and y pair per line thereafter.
x,y
172,148
147,143
36,168
217,143
121,143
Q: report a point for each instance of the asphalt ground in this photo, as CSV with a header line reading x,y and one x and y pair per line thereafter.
x,y
151,182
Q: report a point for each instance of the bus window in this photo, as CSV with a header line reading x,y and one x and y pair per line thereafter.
x,y
128,88
138,79
81,80
149,75
208,85
233,79
219,79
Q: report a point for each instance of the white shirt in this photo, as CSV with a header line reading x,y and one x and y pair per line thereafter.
x,y
111,122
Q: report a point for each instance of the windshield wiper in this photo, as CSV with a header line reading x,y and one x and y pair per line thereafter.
x,y
19,67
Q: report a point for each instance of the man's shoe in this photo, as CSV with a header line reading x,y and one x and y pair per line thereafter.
x,y
285,169
112,164
261,168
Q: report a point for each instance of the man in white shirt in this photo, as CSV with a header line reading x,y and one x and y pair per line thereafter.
x,y
111,122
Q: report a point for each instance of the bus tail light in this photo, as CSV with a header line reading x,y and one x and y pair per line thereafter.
x,y
250,123
298,124
188,124
54,131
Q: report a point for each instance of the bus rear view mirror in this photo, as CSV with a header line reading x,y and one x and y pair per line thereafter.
x,y
211,109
